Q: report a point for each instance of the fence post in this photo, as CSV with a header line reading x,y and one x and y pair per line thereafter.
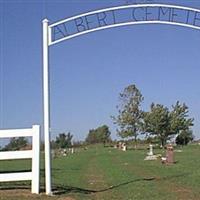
x,y
35,159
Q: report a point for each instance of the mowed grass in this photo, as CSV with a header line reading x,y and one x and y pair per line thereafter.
x,y
106,173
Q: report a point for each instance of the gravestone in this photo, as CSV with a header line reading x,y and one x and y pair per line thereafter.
x,y
170,154
64,152
124,148
150,150
120,145
150,155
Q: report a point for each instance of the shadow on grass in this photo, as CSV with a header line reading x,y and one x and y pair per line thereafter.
x,y
64,189
16,171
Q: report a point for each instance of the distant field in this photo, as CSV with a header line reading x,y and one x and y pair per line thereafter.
x,y
107,173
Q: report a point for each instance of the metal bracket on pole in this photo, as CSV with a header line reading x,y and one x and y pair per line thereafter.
x,y
46,107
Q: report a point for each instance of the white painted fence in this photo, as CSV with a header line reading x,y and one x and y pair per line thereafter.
x,y
33,154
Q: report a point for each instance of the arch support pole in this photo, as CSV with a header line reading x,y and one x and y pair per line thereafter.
x,y
46,107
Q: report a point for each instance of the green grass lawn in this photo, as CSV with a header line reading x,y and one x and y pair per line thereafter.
x,y
107,173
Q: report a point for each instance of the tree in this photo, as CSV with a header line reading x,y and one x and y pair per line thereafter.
x,y
63,140
162,122
129,118
179,118
104,133
98,135
91,137
16,144
184,137
157,122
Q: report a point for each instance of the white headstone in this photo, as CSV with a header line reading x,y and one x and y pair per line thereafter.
x,y
150,150
150,155
124,148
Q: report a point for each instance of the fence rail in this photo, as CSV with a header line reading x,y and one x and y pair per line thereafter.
x,y
34,154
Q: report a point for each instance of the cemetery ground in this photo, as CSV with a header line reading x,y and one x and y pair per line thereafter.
x,y
108,173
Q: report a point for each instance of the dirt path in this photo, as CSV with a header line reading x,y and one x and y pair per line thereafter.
x,y
95,177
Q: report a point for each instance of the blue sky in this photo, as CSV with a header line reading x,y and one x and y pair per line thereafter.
x,y
89,72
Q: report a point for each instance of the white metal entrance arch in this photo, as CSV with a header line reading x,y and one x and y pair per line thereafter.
x,y
99,20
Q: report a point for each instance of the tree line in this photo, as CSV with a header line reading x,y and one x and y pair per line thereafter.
x,y
159,121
